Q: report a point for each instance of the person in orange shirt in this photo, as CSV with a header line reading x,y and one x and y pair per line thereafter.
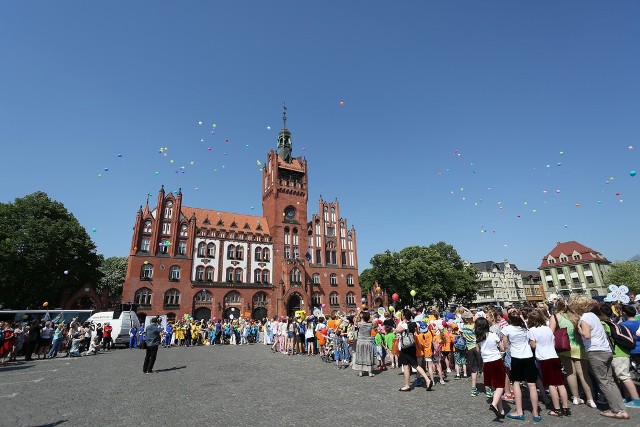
x,y
447,345
433,360
424,348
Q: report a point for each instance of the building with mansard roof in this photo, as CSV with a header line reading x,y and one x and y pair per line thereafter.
x,y
209,263
500,283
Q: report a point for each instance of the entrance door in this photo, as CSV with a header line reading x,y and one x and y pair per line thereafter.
x,y
203,313
259,313
293,305
231,311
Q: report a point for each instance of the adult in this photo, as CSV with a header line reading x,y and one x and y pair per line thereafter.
x,y
600,355
133,337
107,341
407,357
629,319
6,349
153,333
364,357
574,361
58,336
33,338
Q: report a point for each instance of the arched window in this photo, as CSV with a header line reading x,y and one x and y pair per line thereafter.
x,y
172,297
260,299
257,275
265,276
230,274
333,279
231,252
147,227
349,280
316,299
182,247
294,276
351,299
183,230
239,252
174,272
211,250
238,275
146,272
258,254
199,273
232,298
266,254
202,297
208,274
201,249
144,245
334,299
316,279
142,296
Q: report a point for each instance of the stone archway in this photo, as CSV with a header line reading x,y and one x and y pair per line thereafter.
x,y
202,313
294,304
231,311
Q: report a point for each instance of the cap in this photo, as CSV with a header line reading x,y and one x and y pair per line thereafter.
x,y
467,315
423,327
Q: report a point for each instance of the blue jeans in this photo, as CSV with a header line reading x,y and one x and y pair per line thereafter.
x,y
133,342
347,355
55,346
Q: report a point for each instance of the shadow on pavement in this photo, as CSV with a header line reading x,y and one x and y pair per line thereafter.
x,y
175,368
52,424
7,368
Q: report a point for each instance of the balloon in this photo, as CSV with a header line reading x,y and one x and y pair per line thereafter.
x,y
381,311
146,262
562,153
413,292
94,229
45,304
363,300
231,316
213,126
342,103
268,127
364,305
119,155
632,173
200,123
395,297
324,331
391,309
66,272
630,147
324,305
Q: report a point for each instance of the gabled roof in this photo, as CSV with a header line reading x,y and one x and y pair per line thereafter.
x,y
257,224
527,273
296,164
490,265
569,249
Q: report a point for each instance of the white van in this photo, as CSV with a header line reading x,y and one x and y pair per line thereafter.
x,y
121,325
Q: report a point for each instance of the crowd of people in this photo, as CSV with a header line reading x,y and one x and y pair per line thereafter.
x,y
571,352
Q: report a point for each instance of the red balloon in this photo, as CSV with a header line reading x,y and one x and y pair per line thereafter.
x,y
395,297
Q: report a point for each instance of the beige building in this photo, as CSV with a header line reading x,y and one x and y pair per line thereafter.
x,y
533,287
500,283
572,268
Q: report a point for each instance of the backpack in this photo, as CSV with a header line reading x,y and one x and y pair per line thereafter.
x,y
351,336
437,347
301,328
460,343
621,336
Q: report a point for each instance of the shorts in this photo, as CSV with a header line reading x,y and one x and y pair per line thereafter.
x,y
291,334
379,352
524,370
300,337
408,357
433,358
474,363
337,355
494,374
551,372
620,367
460,357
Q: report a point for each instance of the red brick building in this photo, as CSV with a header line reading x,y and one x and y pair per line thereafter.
x,y
209,263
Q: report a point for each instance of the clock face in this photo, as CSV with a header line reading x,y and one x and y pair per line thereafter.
x,y
290,213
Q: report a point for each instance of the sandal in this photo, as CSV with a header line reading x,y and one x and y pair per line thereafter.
x,y
497,412
566,412
404,389
556,413
372,374
622,415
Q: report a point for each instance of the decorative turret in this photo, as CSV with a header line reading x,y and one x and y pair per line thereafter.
x,y
284,139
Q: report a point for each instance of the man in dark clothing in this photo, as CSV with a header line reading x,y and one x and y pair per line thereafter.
x,y
33,338
153,338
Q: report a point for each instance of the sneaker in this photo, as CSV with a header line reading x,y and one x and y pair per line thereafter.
x,y
633,404
442,382
457,377
591,404
474,392
448,370
488,392
577,400
509,398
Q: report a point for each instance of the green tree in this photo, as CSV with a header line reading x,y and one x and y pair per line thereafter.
x,y
43,250
436,272
624,273
114,271
366,280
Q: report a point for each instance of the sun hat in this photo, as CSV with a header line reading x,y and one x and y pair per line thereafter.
x,y
467,315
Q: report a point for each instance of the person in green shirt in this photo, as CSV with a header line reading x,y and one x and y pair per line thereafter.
x,y
474,362
378,342
388,345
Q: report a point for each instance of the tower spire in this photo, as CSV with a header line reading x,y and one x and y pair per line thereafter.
x,y
284,115
284,138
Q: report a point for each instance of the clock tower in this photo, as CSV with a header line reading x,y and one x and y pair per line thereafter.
x,y
284,206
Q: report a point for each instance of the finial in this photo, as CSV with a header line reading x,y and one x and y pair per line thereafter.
x,y
148,195
284,115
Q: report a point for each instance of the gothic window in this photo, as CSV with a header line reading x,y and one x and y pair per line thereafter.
x,y
334,299
211,250
201,249
230,274
203,296
287,252
294,276
265,276
349,280
260,299
174,272
333,279
146,273
316,279
231,251
351,299
258,254
232,297
166,228
142,296
208,274
172,297
257,275
183,230
164,247
144,246
182,247
239,252
147,227
238,275
265,254
168,210
316,299
199,273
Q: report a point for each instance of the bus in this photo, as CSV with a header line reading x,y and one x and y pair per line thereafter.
x,y
26,316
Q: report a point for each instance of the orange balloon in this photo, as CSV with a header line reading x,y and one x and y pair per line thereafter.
x,y
46,304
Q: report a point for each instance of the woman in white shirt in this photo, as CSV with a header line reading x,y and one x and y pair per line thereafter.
x,y
523,364
493,366
600,356
541,339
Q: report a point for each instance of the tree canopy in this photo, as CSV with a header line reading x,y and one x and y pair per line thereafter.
x,y
43,250
436,272
114,271
624,273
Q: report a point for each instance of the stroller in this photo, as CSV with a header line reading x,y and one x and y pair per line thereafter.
x,y
328,353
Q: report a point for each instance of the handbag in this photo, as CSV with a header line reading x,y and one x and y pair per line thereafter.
x,y
561,338
406,340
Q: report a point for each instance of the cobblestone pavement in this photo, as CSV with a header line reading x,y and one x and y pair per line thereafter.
x,y
236,386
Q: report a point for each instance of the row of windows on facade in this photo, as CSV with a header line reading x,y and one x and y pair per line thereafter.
x,y
574,280
143,296
209,250
166,231
575,257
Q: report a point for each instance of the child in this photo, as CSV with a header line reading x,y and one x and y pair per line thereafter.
x,y
75,346
490,346
447,345
424,350
338,353
388,344
308,335
459,352
434,362
378,341
94,346
474,361
542,341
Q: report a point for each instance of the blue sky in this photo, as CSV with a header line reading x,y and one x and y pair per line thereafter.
x,y
457,116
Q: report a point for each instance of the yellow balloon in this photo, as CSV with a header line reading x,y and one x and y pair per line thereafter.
x,y
46,304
